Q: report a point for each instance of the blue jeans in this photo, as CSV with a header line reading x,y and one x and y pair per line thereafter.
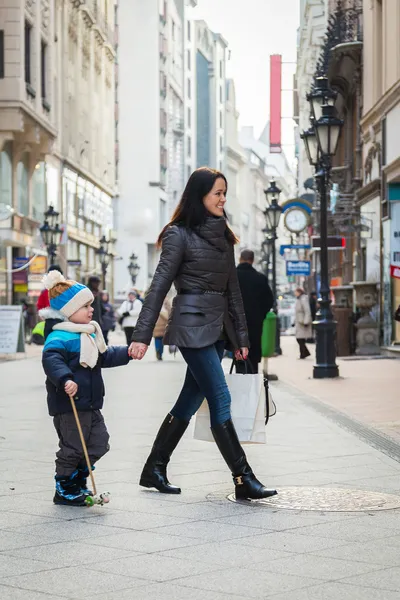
x,y
159,344
204,379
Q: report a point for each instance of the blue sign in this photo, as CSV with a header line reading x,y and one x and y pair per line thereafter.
x,y
293,247
298,267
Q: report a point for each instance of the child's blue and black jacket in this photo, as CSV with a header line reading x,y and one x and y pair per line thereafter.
x,y
60,361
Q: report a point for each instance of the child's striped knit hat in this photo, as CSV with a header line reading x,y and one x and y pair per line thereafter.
x,y
66,296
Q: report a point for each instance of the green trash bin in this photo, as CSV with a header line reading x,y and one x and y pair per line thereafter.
x,y
268,335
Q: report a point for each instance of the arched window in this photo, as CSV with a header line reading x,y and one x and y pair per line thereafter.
x,y
39,191
6,175
23,185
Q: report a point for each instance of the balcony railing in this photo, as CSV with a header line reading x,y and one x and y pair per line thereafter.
x,y
345,26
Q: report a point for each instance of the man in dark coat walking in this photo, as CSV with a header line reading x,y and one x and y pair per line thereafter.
x,y
258,301
98,308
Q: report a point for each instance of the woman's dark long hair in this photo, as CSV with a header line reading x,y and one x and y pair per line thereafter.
x,y
191,211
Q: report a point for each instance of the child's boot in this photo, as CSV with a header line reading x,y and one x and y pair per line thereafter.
x,y
83,474
68,490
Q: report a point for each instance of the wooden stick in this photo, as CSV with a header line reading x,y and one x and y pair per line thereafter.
x,y
85,452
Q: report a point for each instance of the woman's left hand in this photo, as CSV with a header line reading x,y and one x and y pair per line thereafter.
x,y
137,350
242,354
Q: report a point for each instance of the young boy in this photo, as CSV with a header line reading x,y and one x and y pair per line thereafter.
x,y
73,356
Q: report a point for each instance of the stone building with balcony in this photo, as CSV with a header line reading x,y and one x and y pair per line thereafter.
x,y
340,60
84,82
28,129
56,133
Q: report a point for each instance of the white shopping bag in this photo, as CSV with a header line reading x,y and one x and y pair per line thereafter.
x,y
248,410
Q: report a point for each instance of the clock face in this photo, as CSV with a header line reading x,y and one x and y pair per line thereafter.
x,y
296,220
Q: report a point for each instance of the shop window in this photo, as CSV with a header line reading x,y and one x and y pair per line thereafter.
x,y
6,175
23,185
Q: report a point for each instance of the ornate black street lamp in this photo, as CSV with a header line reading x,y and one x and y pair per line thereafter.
x,y
273,214
51,232
104,257
321,143
133,268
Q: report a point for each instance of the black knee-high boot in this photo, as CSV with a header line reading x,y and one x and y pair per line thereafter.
x,y
154,474
247,486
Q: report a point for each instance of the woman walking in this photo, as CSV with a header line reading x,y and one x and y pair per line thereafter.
x,y
197,256
129,312
303,321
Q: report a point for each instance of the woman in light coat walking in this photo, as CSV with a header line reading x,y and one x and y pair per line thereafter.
x,y
160,329
129,312
303,321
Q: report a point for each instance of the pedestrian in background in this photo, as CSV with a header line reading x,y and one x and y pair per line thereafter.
x,y
98,309
109,318
160,328
73,356
197,255
129,312
303,321
43,300
257,301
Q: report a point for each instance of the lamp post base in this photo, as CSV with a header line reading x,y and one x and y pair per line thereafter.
x,y
325,337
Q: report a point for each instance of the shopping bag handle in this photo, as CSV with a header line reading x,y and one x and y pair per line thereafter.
x,y
247,365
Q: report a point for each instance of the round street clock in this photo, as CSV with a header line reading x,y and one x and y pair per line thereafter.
x,y
296,220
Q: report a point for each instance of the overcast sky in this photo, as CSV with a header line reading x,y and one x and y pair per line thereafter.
x,y
254,29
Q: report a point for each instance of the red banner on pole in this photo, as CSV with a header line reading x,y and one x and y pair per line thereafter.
x,y
275,128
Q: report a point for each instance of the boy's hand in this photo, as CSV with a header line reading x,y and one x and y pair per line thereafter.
x,y
71,388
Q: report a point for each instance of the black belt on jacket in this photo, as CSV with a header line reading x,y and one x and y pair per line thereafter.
x,y
201,293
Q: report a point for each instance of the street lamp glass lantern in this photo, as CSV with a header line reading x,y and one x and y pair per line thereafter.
x,y
51,216
311,145
57,235
327,130
133,269
46,233
272,193
273,213
321,95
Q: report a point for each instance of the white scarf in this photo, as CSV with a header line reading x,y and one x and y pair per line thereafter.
x,y
90,346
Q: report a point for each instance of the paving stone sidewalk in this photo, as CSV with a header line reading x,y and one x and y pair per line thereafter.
x,y
198,545
366,389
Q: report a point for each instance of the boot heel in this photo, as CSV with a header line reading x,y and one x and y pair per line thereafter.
x,y
146,483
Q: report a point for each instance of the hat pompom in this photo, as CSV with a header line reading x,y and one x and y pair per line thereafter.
x,y
53,278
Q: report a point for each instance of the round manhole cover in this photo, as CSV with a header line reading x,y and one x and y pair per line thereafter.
x,y
327,500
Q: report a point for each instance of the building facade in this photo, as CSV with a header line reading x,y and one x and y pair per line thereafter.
x,y
379,197
206,90
151,122
56,134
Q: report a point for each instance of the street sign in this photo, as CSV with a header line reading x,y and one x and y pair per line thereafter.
x,y
74,263
298,267
20,277
334,242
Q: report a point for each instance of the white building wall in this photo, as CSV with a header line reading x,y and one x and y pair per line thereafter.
x,y
190,99
140,202
313,22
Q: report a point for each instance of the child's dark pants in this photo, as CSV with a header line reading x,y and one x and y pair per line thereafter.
x,y
70,454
